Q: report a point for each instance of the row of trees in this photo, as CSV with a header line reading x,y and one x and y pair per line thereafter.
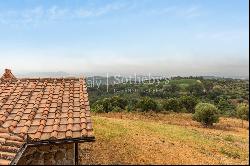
x,y
116,103
182,104
206,113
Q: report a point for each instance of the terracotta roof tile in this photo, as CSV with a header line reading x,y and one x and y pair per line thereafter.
x,y
10,145
70,120
35,122
62,128
61,135
76,127
43,109
64,115
56,127
76,134
83,125
68,134
49,122
45,136
54,135
48,129
32,129
77,120
84,133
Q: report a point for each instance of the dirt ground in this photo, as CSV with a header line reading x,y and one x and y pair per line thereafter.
x,y
139,138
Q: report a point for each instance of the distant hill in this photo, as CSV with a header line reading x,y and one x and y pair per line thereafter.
x,y
111,78
43,74
232,77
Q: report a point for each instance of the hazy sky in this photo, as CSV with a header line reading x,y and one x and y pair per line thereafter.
x,y
170,37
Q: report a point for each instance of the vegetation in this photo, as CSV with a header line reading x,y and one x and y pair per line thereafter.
x,y
147,138
206,113
143,123
178,94
243,112
189,103
172,104
147,104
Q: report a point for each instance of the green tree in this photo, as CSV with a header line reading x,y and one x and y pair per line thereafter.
x,y
117,101
189,103
106,102
172,104
116,109
196,89
173,88
218,89
215,93
98,108
243,112
147,104
225,107
132,104
208,85
206,113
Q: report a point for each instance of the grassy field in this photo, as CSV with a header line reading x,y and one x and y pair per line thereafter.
x,y
136,138
183,83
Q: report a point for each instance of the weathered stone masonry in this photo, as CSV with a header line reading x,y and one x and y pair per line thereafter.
x,y
61,154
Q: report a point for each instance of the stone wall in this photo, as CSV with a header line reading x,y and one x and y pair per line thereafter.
x,y
61,154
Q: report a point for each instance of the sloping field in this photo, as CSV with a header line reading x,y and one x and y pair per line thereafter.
x,y
134,138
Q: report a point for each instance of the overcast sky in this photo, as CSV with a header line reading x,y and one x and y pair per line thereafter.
x,y
169,37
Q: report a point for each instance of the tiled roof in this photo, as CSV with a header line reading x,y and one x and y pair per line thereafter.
x,y
44,110
10,145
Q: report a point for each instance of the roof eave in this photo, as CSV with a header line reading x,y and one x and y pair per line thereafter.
x,y
18,155
60,141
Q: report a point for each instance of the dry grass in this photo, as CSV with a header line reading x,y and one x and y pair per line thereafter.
x,y
136,138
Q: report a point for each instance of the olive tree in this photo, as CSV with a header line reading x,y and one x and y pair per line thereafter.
x,y
242,112
206,113
147,104
189,103
172,104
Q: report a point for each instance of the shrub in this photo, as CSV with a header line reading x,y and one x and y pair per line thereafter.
x,y
116,109
132,105
172,104
114,103
117,101
215,92
184,110
189,103
147,104
243,111
196,89
225,107
218,89
172,88
208,85
107,106
98,108
206,113
129,108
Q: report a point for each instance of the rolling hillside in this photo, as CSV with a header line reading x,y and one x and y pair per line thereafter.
x,y
149,138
